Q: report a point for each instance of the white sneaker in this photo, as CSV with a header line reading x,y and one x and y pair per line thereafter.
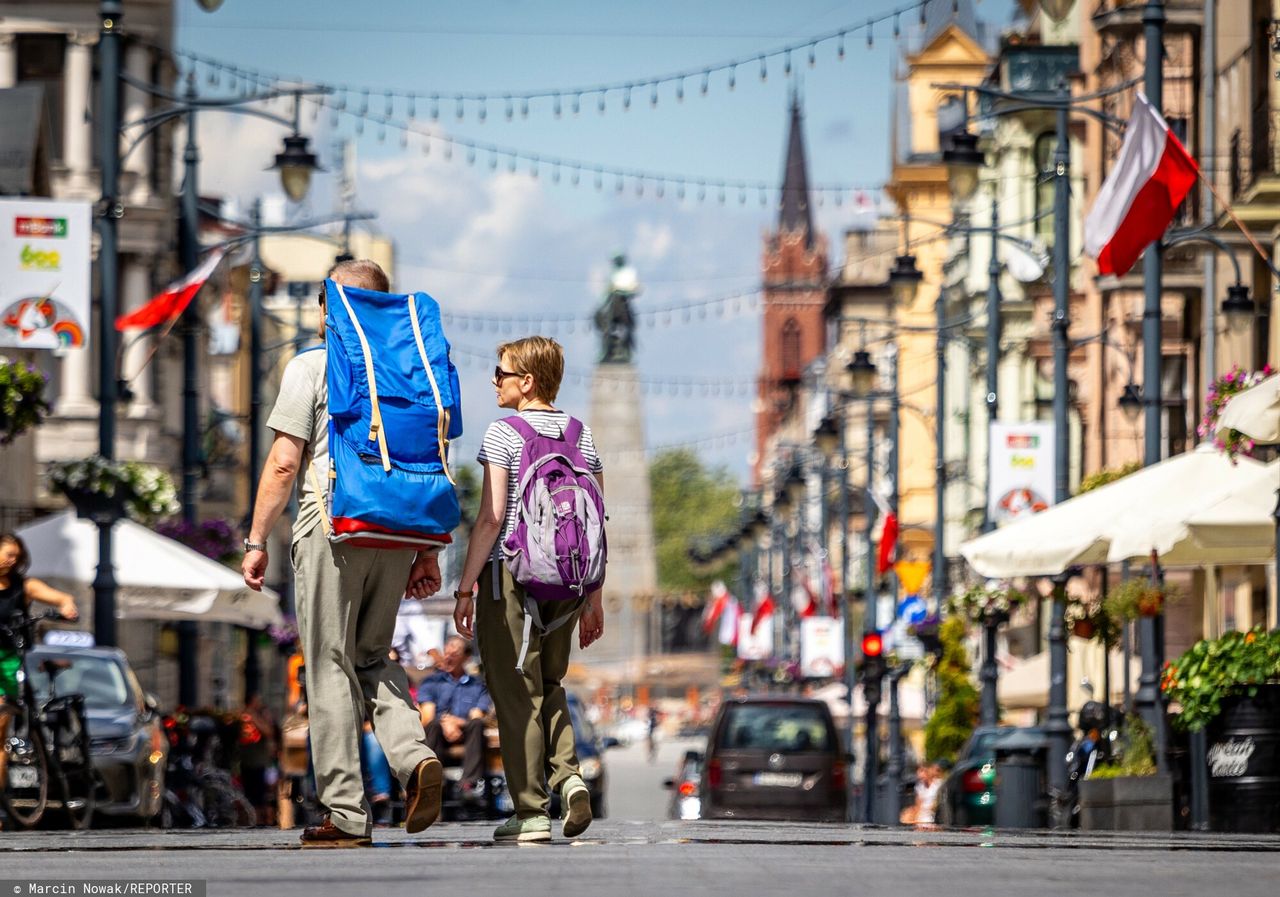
x,y
577,806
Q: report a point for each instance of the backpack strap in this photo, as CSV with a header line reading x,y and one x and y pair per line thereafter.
x,y
325,525
573,431
375,422
442,415
523,428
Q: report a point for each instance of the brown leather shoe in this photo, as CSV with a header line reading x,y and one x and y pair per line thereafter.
x,y
422,796
329,835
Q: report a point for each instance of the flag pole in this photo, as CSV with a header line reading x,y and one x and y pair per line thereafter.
x,y
1253,241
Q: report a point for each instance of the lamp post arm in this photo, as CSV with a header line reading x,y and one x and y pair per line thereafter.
x,y
218,102
1202,235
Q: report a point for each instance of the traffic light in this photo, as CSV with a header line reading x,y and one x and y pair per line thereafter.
x,y
873,666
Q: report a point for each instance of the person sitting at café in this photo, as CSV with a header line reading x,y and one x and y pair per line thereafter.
x,y
454,704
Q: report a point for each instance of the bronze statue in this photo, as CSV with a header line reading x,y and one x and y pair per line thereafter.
x,y
614,318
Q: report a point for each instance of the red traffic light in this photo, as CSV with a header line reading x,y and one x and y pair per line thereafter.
x,y
872,645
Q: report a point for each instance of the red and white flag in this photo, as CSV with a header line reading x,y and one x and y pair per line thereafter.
x,y
764,607
722,609
173,300
803,598
1152,175
888,542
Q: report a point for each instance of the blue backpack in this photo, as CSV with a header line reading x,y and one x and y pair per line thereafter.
x,y
394,404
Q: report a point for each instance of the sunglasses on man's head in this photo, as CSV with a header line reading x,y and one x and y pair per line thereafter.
x,y
499,374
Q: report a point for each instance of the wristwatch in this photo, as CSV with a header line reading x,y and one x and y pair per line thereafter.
x,y
254,546
457,594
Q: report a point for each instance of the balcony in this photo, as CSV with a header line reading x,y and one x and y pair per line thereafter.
x,y
1126,15
1253,165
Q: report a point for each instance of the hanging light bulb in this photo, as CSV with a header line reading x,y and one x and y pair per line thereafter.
x,y
413,106
840,47
764,69
733,76
510,109
870,37
786,69
706,81
524,107
680,91
435,107
555,106
577,103
483,112
391,109
461,110
653,95
364,103
626,98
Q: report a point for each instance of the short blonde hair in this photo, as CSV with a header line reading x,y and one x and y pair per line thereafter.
x,y
541,357
363,273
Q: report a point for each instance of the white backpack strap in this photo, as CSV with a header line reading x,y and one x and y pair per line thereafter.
x,y
375,423
315,487
442,416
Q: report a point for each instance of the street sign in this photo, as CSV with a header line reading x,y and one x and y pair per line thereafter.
x,y
901,642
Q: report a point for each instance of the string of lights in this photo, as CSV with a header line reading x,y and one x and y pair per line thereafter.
x,y
574,99
719,440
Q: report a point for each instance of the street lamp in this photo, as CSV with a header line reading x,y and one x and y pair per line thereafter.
x,y
904,279
1057,9
1131,402
295,164
795,487
862,374
210,5
827,437
963,160
1238,309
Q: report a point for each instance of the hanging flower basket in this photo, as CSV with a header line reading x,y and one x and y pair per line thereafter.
x,y
1235,381
104,491
22,404
1083,629
987,606
1136,598
214,538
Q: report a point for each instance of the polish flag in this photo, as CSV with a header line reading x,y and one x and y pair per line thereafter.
x,y
720,599
803,598
764,608
1135,206
728,634
173,300
829,600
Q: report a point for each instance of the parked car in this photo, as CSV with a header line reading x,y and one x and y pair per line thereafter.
x,y
590,747
771,757
968,794
686,788
126,738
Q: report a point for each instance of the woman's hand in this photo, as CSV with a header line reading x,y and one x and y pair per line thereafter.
x,y
68,609
591,623
464,612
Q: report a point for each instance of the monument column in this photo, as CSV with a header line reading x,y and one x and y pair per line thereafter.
x,y
617,423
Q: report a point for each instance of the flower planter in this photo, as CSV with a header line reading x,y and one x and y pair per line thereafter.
x,y
97,507
1127,804
1244,763
1082,629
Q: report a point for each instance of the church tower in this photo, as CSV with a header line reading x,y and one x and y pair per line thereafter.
x,y
794,282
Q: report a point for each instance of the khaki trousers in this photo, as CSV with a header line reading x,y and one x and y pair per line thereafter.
x,y
347,600
534,727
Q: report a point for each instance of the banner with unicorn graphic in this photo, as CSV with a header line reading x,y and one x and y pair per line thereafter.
x,y
45,292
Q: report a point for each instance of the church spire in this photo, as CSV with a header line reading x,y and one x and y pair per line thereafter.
x,y
794,213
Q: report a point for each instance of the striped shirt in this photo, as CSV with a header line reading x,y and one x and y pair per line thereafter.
x,y
502,447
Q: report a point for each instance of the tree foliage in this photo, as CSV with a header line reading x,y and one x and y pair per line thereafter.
x,y
468,489
956,712
689,501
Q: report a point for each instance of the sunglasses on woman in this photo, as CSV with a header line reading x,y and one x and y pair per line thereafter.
x,y
499,374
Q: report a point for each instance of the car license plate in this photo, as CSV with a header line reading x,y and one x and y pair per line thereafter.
x,y
24,777
778,779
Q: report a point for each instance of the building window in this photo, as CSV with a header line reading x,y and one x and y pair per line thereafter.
x,y
791,350
1046,146
1174,401
41,58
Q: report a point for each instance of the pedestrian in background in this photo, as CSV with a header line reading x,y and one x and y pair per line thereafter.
x,y
534,728
347,602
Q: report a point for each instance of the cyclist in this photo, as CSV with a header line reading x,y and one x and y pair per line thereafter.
x,y
17,591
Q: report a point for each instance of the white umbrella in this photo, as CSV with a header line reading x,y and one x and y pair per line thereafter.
x,y
1244,520
1255,412
1183,492
157,578
1138,510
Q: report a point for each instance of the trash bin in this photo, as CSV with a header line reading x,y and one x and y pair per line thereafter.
x,y
1020,778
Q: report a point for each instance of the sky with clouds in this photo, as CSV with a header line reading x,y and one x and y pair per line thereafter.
x,y
488,240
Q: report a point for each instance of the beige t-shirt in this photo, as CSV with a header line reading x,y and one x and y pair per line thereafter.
x,y
302,410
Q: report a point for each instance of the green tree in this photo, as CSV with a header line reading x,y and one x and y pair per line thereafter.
x,y
689,501
956,712
467,486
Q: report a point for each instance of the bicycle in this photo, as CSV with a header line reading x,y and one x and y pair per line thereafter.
x,y
35,727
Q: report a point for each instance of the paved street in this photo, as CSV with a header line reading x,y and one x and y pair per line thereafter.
x,y
666,858
636,851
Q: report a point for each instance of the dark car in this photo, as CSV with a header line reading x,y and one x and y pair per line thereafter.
x,y
778,758
968,794
126,739
590,747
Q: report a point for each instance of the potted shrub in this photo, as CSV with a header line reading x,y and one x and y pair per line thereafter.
x,y
104,491
1127,794
1229,688
22,404
1137,597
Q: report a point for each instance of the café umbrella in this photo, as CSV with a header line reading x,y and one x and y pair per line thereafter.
x,y
157,577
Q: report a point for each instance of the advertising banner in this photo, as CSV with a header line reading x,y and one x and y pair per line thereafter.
x,y
1021,470
756,645
45,292
821,647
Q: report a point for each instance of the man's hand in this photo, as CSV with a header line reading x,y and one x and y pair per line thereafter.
x,y
424,576
451,727
254,568
591,623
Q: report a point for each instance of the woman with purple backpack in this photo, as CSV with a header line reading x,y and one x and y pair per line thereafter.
x,y
511,583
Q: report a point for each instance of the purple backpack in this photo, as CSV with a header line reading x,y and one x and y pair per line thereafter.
x,y
557,550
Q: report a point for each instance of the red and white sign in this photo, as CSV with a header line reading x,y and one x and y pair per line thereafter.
x,y
1135,206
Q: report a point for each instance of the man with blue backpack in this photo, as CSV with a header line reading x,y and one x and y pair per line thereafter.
x,y
361,429
543,494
